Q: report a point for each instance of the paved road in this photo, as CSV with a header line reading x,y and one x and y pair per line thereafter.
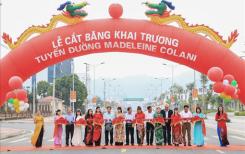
x,y
131,151
236,137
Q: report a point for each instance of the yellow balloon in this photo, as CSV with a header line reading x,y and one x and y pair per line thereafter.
x,y
17,110
222,94
15,105
16,100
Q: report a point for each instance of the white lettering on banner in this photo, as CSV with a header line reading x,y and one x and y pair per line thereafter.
x,y
84,47
50,55
124,35
173,52
95,36
118,39
131,45
73,39
159,39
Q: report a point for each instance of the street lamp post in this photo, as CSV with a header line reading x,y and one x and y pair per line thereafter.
x,y
172,73
94,67
73,85
104,93
34,93
161,80
54,76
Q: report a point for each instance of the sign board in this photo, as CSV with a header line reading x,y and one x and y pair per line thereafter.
x,y
94,100
134,99
195,94
73,96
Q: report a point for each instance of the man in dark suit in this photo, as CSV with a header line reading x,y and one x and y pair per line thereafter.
x,y
167,113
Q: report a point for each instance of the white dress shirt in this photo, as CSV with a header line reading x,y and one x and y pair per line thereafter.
x,y
129,117
149,116
166,113
187,115
108,117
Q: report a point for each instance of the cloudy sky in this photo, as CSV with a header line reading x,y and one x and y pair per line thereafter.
x,y
134,73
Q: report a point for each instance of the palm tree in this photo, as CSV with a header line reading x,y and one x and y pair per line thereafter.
x,y
190,87
176,90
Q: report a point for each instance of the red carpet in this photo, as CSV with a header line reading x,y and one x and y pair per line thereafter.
x,y
45,148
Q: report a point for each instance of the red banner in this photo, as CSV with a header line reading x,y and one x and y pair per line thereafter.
x,y
119,35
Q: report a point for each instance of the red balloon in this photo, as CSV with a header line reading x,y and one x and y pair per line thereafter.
x,y
235,96
10,94
115,10
229,77
21,94
215,74
238,91
230,90
26,100
218,87
15,82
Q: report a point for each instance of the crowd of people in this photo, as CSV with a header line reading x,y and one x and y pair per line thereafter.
x,y
164,126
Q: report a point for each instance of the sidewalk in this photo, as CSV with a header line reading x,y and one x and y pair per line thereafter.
x,y
10,132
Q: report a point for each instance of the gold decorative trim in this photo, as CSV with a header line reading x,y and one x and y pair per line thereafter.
x,y
200,29
40,29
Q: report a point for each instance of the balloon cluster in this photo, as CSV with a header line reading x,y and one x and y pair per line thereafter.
x,y
17,98
226,85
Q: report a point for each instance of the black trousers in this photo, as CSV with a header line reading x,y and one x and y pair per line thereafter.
x,y
167,134
149,133
107,134
69,133
40,139
129,132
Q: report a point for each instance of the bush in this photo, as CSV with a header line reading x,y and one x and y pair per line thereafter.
x,y
241,113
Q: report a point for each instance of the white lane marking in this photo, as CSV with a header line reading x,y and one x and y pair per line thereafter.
x,y
214,126
237,137
219,151
16,137
19,140
215,136
51,140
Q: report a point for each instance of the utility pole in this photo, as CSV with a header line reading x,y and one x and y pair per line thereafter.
x,y
54,76
104,90
73,80
94,74
34,94
106,85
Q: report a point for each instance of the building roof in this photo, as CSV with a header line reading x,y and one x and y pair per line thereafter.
x,y
49,99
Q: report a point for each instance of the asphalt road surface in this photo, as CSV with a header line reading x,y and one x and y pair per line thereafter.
x,y
236,137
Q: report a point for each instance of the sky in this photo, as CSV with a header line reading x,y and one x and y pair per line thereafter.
x,y
134,73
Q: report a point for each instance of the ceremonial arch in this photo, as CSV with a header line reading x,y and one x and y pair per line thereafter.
x,y
154,37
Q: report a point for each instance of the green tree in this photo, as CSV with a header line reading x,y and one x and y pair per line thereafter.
x,y
209,94
63,86
42,88
204,81
176,89
189,88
